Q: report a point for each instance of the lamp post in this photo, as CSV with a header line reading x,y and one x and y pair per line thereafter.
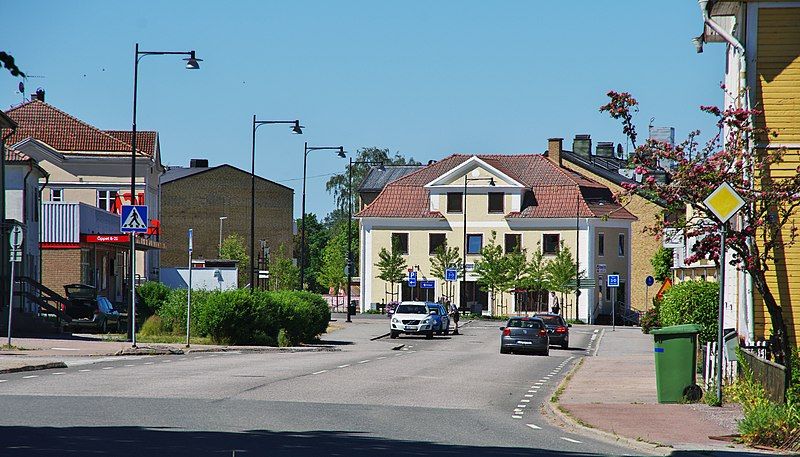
x,y
5,123
192,63
467,179
349,224
296,129
306,150
221,218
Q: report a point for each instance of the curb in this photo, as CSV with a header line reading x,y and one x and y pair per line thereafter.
x,y
41,366
613,438
379,337
265,349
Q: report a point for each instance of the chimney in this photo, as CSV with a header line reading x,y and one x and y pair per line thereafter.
x,y
198,163
582,146
38,95
554,148
605,149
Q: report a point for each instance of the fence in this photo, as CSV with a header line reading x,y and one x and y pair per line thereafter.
x,y
729,367
771,375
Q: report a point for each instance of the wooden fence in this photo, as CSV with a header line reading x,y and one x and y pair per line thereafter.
x,y
771,375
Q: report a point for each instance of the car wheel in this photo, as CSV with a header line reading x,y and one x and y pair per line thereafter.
x,y
504,350
446,331
546,352
104,327
565,344
393,334
429,335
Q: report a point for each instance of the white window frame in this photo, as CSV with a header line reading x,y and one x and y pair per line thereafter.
x,y
110,197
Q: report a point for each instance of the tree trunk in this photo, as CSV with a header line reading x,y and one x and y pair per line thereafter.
x,y
781,347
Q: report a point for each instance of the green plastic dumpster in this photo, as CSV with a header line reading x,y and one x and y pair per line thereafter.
x,y
675,350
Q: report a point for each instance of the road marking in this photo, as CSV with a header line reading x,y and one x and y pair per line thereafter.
x,y
522,406
3,380
198,357
381,358
148,363
513,416
344,366
364,361
166,361
130,365
529,395
320,372
65,349
107,368
596,331
60,372
571,440
525,400
535,427
30,376
84,371
542,381
398,355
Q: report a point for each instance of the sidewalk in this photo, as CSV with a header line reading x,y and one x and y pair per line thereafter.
x,y
615,392
62,350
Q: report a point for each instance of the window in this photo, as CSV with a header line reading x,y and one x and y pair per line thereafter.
x,y
436,241
601,244
400,243
621,247
56,195
454,202
550,242
474,244
513,242
106,199
496,202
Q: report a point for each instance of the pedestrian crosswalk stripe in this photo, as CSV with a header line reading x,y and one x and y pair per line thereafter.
x,y
535,427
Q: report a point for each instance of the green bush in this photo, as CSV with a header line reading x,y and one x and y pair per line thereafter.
x,y
238,317
153,294
692,302
152,326
303,315
651,318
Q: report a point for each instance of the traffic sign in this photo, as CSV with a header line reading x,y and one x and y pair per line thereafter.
x,y
427,284
15,238
133,219
613,281
724,202
190,240
601,268
649,281
16,256
450,274
412,279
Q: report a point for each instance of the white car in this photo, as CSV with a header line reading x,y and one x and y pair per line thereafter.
x,y
412,317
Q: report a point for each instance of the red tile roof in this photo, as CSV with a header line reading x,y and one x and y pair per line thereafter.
x,y
554,191
63,132
146,140
12,155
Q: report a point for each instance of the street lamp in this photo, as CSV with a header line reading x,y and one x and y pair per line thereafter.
x,y
306,150
296,129
467,179
192,63
221,218
349,224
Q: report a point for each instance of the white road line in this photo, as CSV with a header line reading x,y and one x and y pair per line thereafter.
x,y
398,355
148,363
525,400
596,331
516,417
60,372
129,365
198,357
65,349
107,368
522,406
30,376
166,361
344,366
320,372
3,380
364,361
535,427
84,371
542,381
381,358
571,440
528,395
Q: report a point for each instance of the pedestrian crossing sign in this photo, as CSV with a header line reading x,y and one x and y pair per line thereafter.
x,y
133,219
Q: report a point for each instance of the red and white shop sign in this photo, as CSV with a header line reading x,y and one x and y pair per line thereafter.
x,y
106,238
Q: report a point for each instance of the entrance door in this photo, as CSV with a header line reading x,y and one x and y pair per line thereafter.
x,y
473,298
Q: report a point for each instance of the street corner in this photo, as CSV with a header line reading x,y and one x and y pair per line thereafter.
x,y
17,366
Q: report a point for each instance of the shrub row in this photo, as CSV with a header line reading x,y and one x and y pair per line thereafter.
x,y
688,302
238,317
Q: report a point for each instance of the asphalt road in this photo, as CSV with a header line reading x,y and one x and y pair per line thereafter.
x,y
448,396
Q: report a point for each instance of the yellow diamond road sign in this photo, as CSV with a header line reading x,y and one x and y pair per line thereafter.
x,y
724,202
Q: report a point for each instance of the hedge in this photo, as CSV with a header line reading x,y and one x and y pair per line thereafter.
x,y
152,296
239,317
692,302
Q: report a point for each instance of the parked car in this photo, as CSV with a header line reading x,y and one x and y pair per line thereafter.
x,y
557,328
90,311
441,321
525,334
412,317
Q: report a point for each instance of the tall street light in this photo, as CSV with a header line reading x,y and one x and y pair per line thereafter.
x,y
467,179
307,149
349,225
296,129
221,218
5,123
192,63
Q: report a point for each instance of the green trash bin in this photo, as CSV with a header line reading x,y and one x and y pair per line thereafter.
x,y
675,350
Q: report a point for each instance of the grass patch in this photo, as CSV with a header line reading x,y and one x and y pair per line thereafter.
x,y
161,338
11,347
563,385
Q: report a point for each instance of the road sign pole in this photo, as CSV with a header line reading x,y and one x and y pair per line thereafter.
x,y
189,293
721,309
10,300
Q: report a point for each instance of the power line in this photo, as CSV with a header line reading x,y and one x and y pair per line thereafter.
x,y
308,177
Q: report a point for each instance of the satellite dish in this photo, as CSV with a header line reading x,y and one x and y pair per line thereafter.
x,y
21,87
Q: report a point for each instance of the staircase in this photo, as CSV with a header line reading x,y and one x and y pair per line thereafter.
x,y
49,317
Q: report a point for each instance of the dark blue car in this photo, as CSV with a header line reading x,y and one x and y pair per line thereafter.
x,y
441,321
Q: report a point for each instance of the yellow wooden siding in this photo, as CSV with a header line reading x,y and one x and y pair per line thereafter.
x,y
778,70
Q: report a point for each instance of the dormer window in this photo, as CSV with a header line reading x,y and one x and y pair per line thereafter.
x,y
496,202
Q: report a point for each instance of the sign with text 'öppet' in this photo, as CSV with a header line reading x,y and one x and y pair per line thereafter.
x,y
133,219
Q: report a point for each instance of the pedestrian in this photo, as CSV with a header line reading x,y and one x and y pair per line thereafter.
x,y
454,315
555,308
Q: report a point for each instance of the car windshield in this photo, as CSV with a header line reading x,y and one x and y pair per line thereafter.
x,y
412,309
520,323
435,309
551,320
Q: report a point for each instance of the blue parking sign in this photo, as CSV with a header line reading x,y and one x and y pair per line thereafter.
x,y
450,274
613,280
412,279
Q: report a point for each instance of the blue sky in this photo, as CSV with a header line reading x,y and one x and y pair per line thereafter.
x,y
423,78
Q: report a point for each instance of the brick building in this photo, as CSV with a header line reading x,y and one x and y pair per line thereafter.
x,y
198,196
